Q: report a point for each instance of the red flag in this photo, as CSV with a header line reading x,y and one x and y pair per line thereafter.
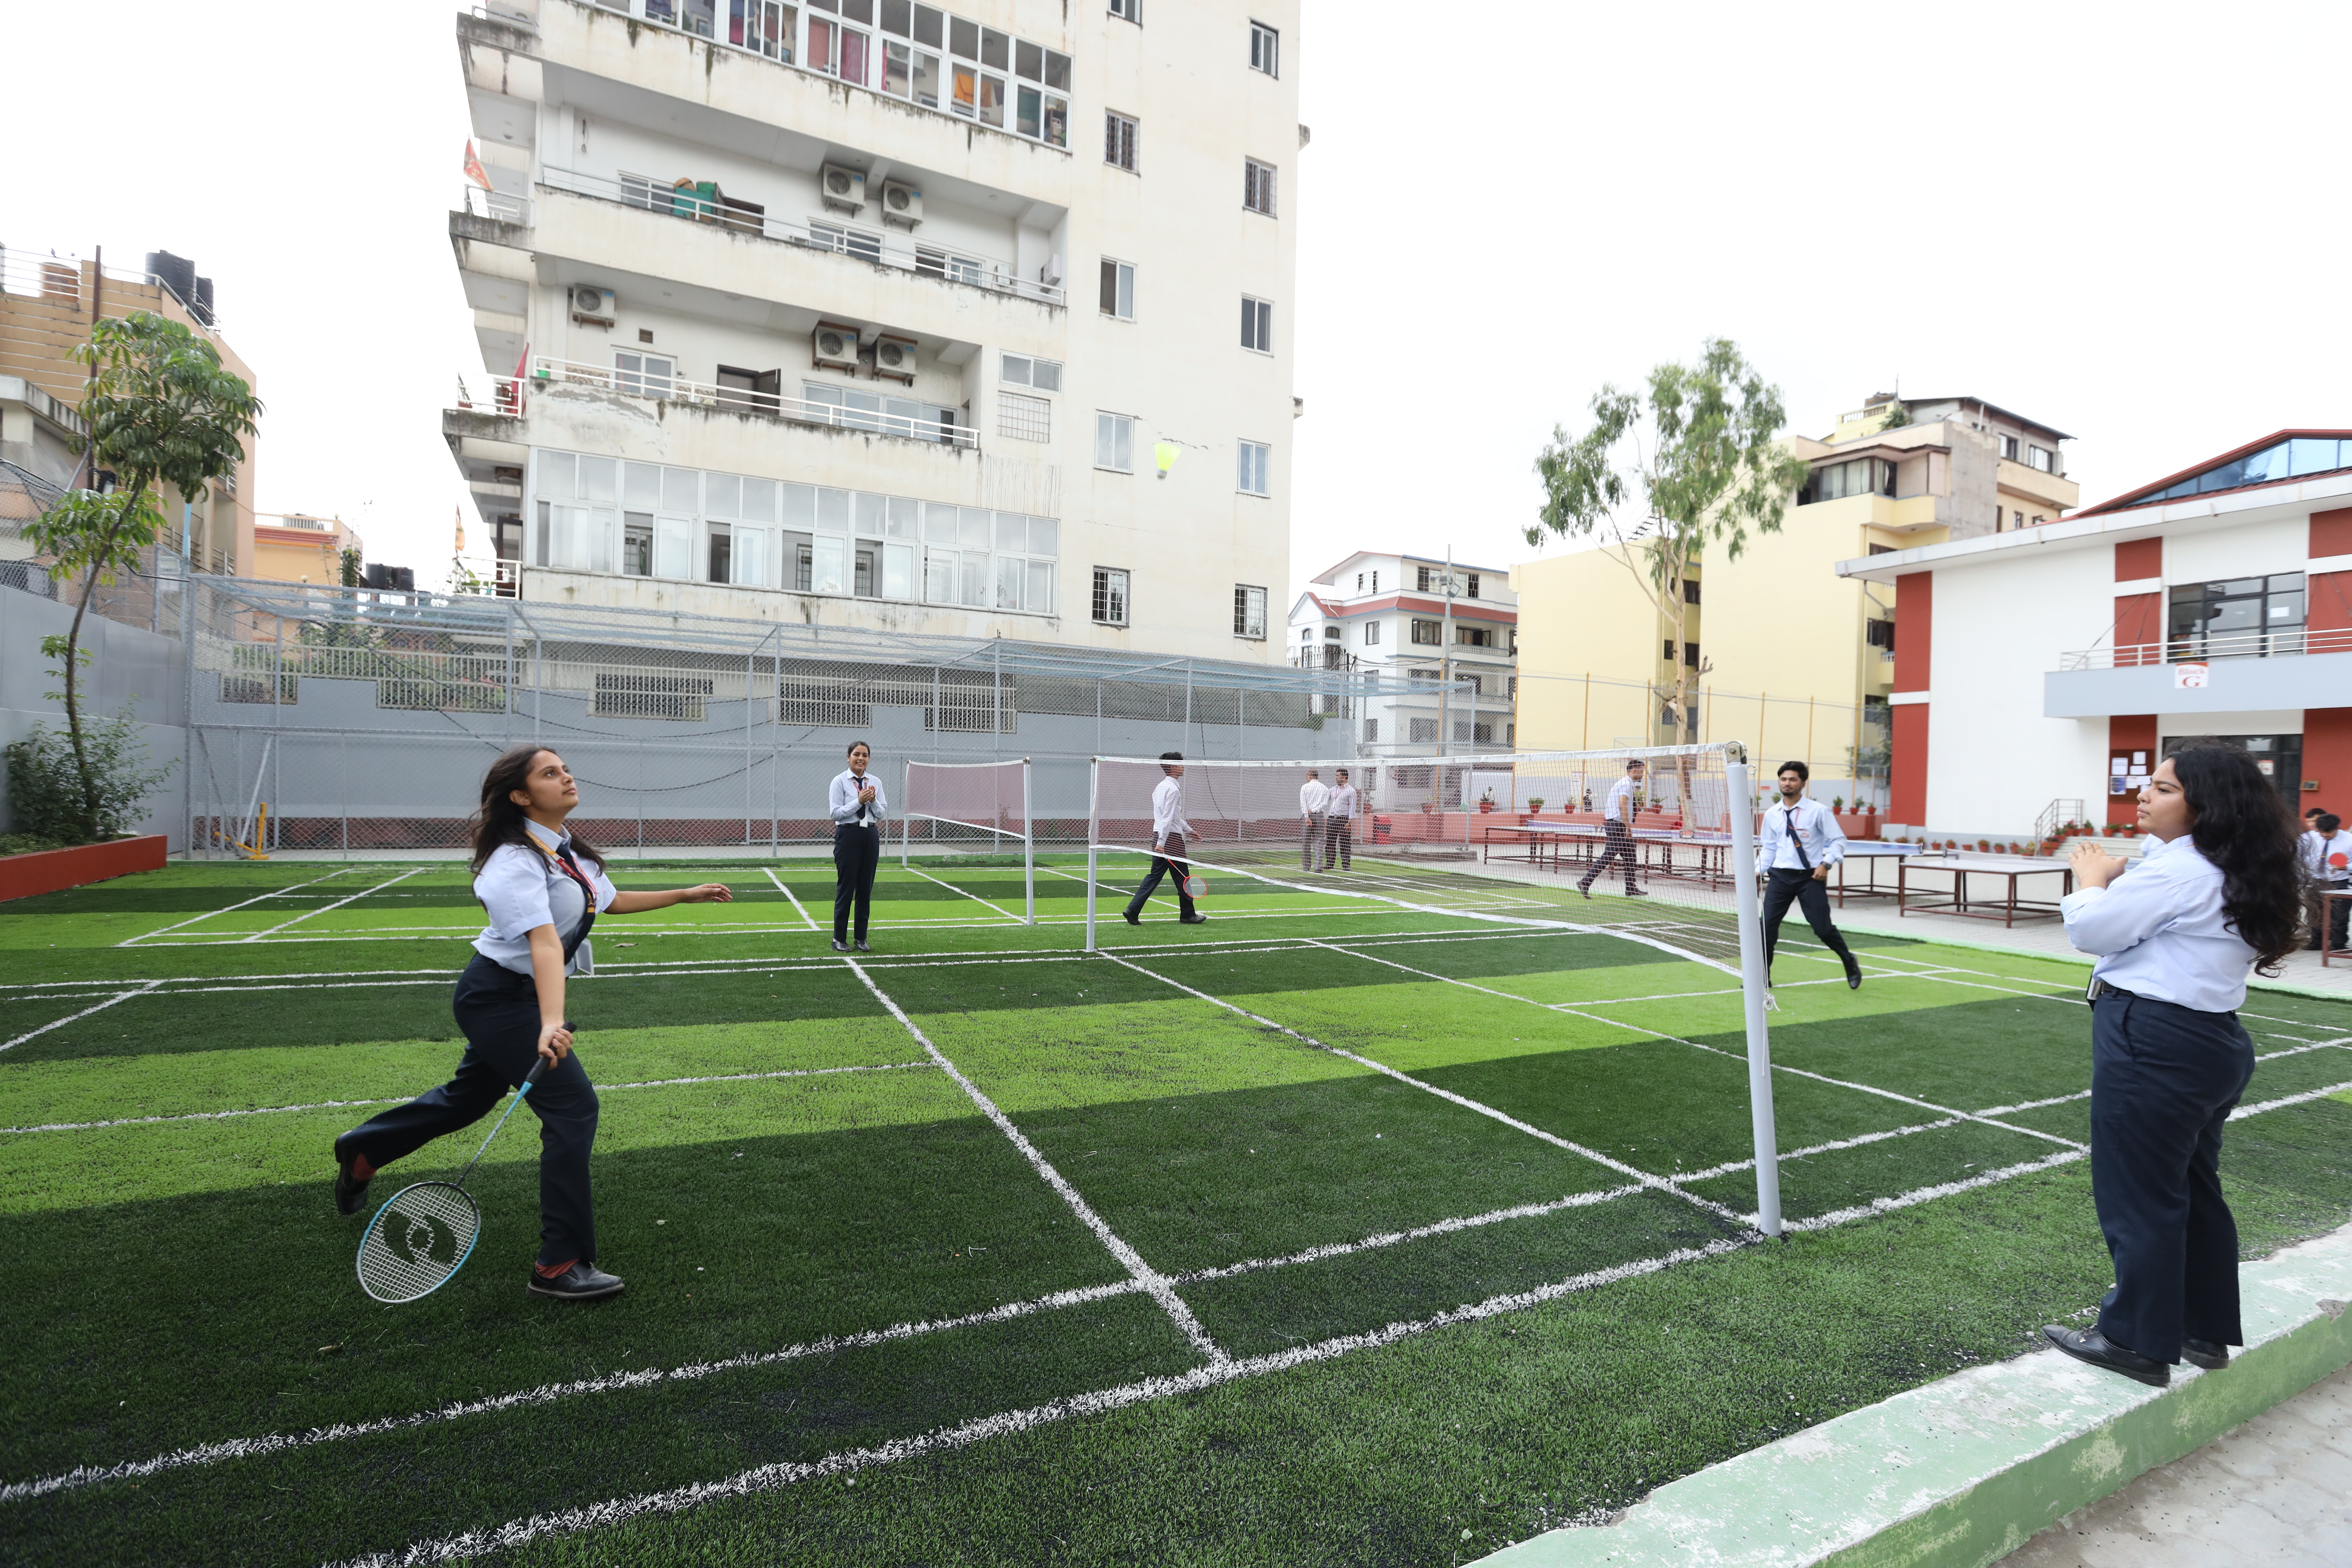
x,y
474,171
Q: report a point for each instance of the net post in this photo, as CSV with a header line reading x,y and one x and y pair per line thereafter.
x,y
1742,826
906,803
1028,846
1094,796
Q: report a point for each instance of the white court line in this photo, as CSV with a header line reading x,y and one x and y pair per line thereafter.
x,y
324,909
1736,1166
145,937
2305,1097
1661,1182
1576,1009
85,1012
1151,1279
1418,1232
968,893
341,1104
779,881
1942,1190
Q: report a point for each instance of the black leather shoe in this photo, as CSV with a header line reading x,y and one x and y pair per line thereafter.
x,y
1191,920
1853,976
1585,891
841,947
2205,1353
1637,892
1132,917
2092,1346
351,1193
580,1282
862,947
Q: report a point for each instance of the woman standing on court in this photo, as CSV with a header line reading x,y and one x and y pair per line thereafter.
x,y
542,888
2218,894
857,809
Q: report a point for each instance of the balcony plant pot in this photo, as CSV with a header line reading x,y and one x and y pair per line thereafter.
x,y
1485,807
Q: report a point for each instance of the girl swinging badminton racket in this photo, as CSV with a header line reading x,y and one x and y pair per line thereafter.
x,y
542,888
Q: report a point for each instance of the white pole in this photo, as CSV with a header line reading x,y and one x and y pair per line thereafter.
x,y
1751,987
906,817
1028,845
1094,795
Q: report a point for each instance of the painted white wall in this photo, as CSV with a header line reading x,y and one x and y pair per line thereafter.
x,y
2245,550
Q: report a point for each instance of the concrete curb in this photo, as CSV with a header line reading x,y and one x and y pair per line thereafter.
x,y
1963,1471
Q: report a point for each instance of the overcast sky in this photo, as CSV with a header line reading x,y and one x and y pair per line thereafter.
x,y
2126,222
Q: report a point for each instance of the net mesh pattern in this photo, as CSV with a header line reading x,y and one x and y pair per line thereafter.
x,y
417,1240
948,803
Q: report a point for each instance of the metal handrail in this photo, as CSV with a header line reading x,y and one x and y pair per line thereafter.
x,y
678,389
2199,649
666,199
500,206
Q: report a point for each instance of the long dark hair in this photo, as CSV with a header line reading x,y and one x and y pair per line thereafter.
x,y
2242,826
499,820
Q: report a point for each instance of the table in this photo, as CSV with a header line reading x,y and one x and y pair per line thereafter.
x,y
1657,847
1872,852
2005,869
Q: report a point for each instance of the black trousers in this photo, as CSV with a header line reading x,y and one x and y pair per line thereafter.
x,y
1785,886
498,1011
2164,1079
856,852
1339,842
1619,845
1170,861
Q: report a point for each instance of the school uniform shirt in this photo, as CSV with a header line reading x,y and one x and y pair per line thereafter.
x,y
1620,804
523,888
1312,797
2160,932
847,808
1808,827
2330,859
1343,801
1168,812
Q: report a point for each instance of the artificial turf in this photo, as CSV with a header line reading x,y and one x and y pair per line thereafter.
x,y
1462,1207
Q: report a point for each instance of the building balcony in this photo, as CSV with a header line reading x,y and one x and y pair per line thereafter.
x,y
870,412
2249,672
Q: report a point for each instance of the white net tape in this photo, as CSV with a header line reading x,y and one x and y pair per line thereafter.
x,y
417,1240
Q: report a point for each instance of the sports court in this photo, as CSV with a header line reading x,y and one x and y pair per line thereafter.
x,y
1332,1230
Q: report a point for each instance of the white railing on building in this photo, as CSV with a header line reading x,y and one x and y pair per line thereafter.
x,y
662,388
2199,650
499,207
61,280
672,199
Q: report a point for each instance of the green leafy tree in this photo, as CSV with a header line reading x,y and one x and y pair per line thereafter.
x,y
162,410
347,564
1689,464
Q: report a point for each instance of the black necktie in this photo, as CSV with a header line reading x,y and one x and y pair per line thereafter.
x,y
1796,840
588,894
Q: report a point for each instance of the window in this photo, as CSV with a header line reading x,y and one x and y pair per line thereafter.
x,y
637,544
644,375
1372,634
1045,375
1114,442
1427,633
1252,479
1422,729
2037,457
1690,653
1879,634
1472,590
1117,290
2284,460
1376,580
2242,617
1473,637
1424,579
1874,550
1023,418
1307,634
1371,732
1128,10
2008,448
2039,520
1257,186
1249,612
1330,634
722,561
2017,519
1110,596
1119,141
1264,50
1690,590
1257,325
1359,582
1855,477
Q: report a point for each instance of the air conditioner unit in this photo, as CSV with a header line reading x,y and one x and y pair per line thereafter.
x,y
1050,275
591,305
902,204
834,347
843,189
894,357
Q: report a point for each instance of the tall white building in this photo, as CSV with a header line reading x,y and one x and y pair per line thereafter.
x,y
1440,682
971,319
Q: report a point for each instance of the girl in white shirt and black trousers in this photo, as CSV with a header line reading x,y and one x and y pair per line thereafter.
x,y
858,808
542,888
2219,893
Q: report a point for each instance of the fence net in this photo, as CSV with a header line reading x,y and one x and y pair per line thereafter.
x,y
963,808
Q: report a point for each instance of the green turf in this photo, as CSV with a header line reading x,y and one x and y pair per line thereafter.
x,y
1328,1123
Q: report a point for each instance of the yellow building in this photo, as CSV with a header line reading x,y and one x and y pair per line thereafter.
x,y
293,548
1794,659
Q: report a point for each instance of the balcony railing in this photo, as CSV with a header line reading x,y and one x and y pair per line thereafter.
x,y
662,388
708,205
501,206
2200,651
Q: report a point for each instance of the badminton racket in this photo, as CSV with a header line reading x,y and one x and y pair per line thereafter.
x,y
1196,886
425,1232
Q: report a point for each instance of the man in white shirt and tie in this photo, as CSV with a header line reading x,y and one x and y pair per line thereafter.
x,y
1617,828
1168,830
1338,819
1799,843
1312,798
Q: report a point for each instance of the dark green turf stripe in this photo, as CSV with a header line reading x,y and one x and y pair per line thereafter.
x,y
1842,1178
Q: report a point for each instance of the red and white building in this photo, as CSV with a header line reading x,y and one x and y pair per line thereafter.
x,y
1386,615
2039,668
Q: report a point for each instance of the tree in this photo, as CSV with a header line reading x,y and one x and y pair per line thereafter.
x,y
160,410
1660,478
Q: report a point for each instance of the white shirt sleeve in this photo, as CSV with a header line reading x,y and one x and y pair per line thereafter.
x,y
2124,913
513,890
1832,835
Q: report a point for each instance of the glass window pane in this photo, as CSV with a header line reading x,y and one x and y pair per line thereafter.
x,y
858,10
1009,575
1011,531
963,38
973,533
722,496
1025,111
995,49
759,500
1017,370
559,473
832,510
926,25
673,547
2310,457
751,553
1028,60
938,577
1056,133
681,490
597,478
871,510
800,507
926,79
939,523
896,17
906,518
642,487
1126,292
1125,453
854,56
992,100
898,571
894,69
1045,375
829,564
975,582
1039,599
1044,535
1058,70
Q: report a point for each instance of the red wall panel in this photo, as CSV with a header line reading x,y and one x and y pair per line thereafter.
x,y
2331,532
1908,789
2139,558
2126,733
2326,760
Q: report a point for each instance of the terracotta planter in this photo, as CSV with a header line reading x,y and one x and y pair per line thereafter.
x,y
53,870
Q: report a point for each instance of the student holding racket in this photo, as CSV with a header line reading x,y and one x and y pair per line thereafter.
x,y
542,888
1168,830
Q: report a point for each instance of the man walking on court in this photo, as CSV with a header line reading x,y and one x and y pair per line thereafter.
x,y
1168,830
1799,843
1617,828
1312,798
1339,818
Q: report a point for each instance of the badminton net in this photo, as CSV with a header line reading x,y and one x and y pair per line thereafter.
x,y
961,808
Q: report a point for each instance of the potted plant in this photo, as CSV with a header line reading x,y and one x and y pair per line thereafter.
x,y
1535,805
1486,803
1837,803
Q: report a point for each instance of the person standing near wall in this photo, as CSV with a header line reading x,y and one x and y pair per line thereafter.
x,y
1617,830
2219,892
1339,823
858,806
1800,841
1312,798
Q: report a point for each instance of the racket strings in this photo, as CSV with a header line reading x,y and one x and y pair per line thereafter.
x,y
417,1241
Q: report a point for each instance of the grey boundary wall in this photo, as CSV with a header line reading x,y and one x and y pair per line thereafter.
x,y
128,661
